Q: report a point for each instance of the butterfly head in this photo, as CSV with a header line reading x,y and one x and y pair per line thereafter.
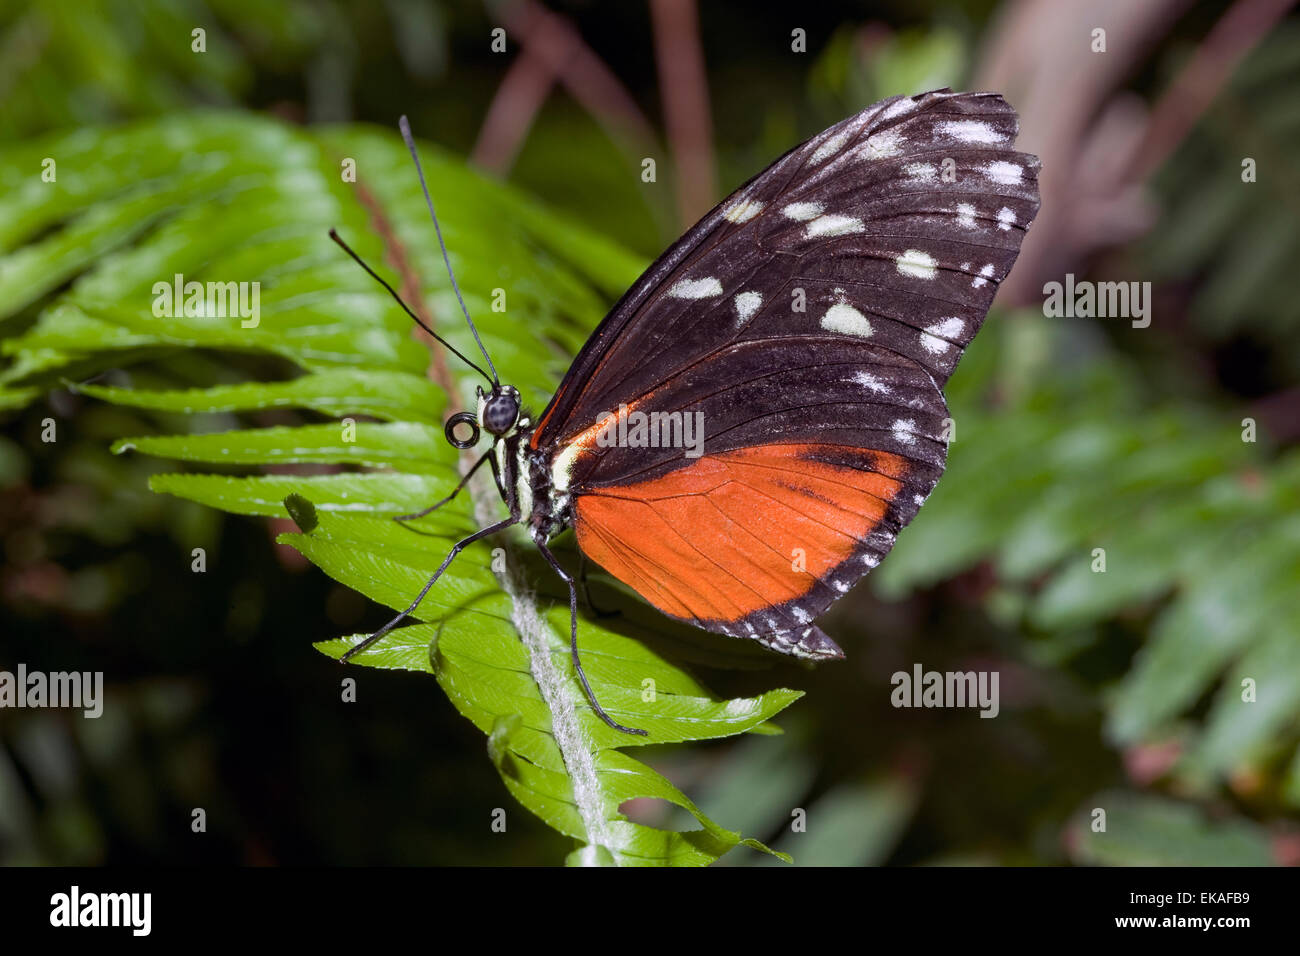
x,y
498,414
499,410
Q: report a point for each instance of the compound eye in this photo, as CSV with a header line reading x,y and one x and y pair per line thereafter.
x,y
500,414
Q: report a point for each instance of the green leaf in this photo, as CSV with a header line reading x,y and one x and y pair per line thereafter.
x,y
1152,831
1259,700
1227,610
368,492
409,445
854,824
758,784
387,395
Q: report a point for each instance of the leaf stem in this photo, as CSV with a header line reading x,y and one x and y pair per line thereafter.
x,y
575,748
557,690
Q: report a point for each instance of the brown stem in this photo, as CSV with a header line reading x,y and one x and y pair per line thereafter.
x,y
411,290
1235,34
679,56
553,50
510,116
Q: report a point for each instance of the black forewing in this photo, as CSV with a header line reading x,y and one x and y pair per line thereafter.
x,y
901,219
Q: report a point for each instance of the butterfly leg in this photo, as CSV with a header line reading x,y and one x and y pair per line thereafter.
x,y
456,549
586,591
567,578
455,491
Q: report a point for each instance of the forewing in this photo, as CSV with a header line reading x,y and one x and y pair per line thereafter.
x,y
895,225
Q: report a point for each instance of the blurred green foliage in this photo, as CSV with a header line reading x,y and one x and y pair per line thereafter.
x,y
1242,276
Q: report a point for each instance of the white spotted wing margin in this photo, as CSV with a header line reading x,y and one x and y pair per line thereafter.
x,y
826,302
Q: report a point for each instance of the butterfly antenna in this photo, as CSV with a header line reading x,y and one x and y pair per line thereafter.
x,y
410,145
406,308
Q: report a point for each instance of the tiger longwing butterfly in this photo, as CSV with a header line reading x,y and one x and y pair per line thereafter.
x,y
808,324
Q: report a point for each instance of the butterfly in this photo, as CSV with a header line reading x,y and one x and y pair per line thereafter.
x,y
744,435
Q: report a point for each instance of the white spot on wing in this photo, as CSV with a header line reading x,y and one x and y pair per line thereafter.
x,y
882,145
842,317
830,147
1006,218
934,339
971,131
905,431
870,381
986,273
743,210
696,289
1008,174
917,264
747,304
870,560
832,225
920,172
966,215
802,211
898,108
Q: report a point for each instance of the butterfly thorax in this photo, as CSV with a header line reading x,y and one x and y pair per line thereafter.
x,y
552,509
524,478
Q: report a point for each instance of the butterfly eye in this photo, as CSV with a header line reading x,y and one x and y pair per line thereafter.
x,y
462,418
500,413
